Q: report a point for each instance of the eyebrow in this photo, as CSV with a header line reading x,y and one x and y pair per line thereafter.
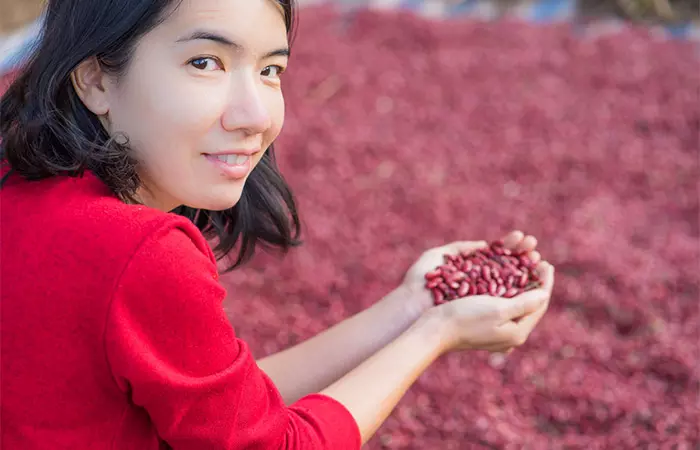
x,y
219,39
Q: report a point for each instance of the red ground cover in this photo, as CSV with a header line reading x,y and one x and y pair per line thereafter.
x,y
403,134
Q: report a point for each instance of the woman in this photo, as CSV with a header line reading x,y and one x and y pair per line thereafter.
x,y
136,127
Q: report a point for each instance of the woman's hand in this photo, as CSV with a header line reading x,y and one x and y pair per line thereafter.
x,y
372,389
414,280
495,324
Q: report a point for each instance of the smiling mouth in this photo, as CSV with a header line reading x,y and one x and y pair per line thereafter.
x,y
233,160
233,165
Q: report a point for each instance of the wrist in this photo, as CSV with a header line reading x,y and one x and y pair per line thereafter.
x,y
416,299
432,327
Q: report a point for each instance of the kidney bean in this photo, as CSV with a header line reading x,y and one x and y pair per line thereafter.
x,y
496,271
433,274
493,287
523,280
514,261
458,276
463,289
432,284
511,292
447,268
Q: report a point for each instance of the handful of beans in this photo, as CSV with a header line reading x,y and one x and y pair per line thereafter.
x,y
494,270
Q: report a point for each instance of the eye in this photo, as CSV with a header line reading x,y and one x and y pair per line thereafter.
x,y
207,63
272,71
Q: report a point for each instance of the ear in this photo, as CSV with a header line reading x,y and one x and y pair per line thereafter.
x,y
91,84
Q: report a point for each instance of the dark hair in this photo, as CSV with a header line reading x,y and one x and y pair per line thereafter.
x,y
45,130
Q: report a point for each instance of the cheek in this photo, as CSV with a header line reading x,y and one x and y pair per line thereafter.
x,y
185,105
165,108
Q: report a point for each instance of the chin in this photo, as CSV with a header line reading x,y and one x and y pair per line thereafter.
x,y
218,202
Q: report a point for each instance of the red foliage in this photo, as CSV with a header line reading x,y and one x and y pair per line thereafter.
x,y
403,134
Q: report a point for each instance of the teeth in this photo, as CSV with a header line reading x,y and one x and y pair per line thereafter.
x,y
234,160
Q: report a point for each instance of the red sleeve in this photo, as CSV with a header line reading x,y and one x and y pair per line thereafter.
x,y
173,350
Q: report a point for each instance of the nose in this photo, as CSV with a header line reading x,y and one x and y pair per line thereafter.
x,y
246,110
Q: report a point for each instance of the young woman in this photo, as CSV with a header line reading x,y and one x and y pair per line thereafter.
x,y
137,129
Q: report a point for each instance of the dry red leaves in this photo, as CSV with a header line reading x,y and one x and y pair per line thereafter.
x,y
441,131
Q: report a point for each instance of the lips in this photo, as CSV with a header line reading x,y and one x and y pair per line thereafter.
x,y
234,166
233,159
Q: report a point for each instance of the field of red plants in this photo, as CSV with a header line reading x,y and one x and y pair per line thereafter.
x,y
403,134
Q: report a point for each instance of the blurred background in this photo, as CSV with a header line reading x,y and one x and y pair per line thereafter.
x,y
414,123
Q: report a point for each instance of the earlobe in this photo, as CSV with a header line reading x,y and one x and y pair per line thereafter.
x,y
89,82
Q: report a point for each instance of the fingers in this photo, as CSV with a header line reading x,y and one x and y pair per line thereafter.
x,y
528,244
546,274
519,242
504,348
528,323
512,335
516,331
522,305
503,351
513,239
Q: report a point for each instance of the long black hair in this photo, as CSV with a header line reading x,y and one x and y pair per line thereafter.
x,y
45,130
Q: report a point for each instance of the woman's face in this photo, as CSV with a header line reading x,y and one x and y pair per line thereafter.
x,y
201,100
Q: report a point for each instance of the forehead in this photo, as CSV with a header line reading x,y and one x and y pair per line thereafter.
x,y
251,23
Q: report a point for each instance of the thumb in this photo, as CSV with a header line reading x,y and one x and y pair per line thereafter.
x,y
523,304
546,273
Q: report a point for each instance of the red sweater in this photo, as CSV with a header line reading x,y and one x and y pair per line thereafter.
x,y
114,335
